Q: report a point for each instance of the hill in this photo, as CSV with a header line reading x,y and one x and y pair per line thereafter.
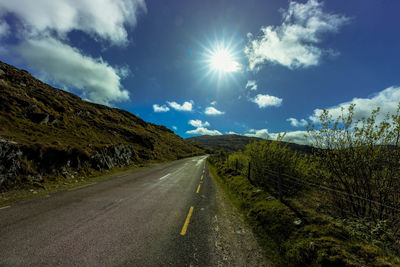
x,y
234,142
47,133
229,142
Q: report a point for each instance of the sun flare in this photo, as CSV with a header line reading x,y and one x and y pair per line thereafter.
x,y
223,60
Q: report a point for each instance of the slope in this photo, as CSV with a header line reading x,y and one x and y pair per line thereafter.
x,y
47,133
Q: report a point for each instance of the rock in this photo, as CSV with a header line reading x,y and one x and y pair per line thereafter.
x,y
39,117
2,72
271,198
110,157
10,162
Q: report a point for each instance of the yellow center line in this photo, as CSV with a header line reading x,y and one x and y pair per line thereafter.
x,y
201,178
186,224
198,189
79,187
5,207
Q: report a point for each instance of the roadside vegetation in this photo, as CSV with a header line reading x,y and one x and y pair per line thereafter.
x,y
336,206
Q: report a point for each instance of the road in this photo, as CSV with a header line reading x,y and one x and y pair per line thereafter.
x,y
161,216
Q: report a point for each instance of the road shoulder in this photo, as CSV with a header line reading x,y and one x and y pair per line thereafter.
x,y
232,241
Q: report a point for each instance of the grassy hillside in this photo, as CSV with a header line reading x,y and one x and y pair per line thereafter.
x,y
45,131
234,142
229,142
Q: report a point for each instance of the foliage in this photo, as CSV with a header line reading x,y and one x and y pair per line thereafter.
x,y
320,242
360,163
272,164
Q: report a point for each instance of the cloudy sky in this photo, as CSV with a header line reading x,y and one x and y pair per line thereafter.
x,y
254,68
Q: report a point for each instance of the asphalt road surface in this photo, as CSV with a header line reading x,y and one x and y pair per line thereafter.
x,y
161,216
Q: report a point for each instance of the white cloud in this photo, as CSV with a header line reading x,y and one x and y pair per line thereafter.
x,y
4,29
213,103
297,123
213,111
162,108
298,137
186,106
266,100
252,85
67,66
294,43
231,132
204,131
175,128
103,19
262,133
199,123
42,28
387,100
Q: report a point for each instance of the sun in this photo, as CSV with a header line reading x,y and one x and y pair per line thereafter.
x,y
221,59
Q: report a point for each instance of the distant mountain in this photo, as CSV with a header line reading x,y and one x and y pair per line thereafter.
x,y
229,142
234,142
47,132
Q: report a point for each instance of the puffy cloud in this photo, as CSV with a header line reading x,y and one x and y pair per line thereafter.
x,y
266,100
293,44
213,111
162,108
232,132
175,128
41,30
186,106
262,133
69,67
387,100
213,103
297,123
204,131
199,123
252,85
298,137
103,19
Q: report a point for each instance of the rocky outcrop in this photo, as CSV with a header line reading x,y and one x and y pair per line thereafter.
x,y
21,165
10,162
114,156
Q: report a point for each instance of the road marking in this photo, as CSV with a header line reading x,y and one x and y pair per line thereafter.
x,y
198,189
186,224
5,207
79,187
165,176
201,177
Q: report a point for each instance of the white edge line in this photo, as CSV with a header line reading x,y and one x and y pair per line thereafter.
x,y
165,176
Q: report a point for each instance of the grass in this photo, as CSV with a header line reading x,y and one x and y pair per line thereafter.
x,y
74,132
317,241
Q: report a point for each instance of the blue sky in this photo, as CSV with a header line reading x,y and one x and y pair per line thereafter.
x,y
254,68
